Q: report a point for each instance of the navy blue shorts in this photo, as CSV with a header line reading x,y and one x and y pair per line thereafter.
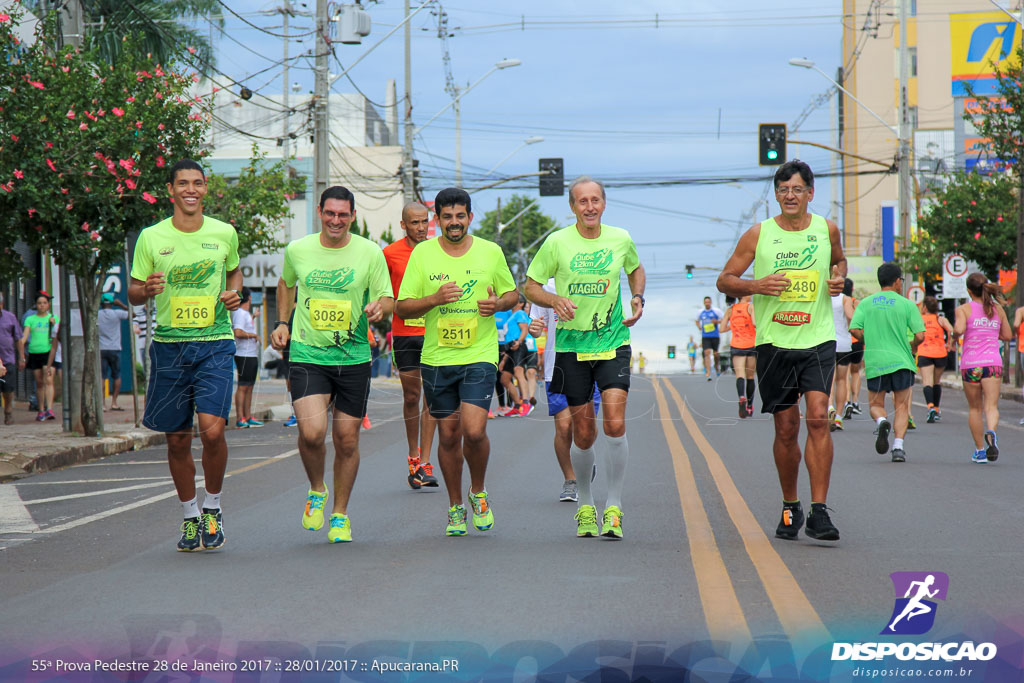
x,y
187,378
446,387
557,402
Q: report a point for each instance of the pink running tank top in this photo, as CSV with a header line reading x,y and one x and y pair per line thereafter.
x,y
981,339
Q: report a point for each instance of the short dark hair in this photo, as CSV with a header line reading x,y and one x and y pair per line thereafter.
x,y
185,165
888,273
452,196
931,304
848,287
246,294
729,300
340,193
790,169
708,298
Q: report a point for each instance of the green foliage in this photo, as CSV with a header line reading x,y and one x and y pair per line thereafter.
x,y
256,204
973,215
388,237
532,223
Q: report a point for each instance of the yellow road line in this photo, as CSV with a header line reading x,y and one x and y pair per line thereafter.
x,y
721,606
797,615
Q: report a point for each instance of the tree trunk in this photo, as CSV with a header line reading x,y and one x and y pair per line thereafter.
x,y
88,302
1019,298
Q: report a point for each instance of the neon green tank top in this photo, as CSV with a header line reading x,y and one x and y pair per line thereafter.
x,y
801,317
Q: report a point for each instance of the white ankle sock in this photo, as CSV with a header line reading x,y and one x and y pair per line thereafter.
x,y
212,501
879,420
190,507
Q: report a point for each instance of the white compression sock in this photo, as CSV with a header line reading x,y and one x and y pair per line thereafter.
x,y
190,507
583,461
618,454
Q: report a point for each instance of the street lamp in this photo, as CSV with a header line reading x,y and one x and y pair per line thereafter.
x,y
528,141
902,156
503,64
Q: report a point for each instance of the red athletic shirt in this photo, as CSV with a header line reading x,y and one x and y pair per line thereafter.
x,y
397,256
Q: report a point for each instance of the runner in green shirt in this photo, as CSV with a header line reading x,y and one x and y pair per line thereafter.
x,y
456,282
343,286
891,328
592,345
37,338
189,264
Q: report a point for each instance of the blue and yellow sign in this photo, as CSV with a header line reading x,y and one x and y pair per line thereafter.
x,y
979,40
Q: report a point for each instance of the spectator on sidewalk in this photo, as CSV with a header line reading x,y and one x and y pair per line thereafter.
x,y
30,379
109,322
38,336
10,339
247,350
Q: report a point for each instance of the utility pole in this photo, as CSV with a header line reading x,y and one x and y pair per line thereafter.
x,y
407,176
904,148
286,141
321,148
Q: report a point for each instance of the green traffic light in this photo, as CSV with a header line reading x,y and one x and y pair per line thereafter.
x,y
689,276
773,154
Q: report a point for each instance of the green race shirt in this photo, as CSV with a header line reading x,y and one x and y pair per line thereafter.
x,y
456,334
801,317
888,320
40,332
195,266
334,287
587,272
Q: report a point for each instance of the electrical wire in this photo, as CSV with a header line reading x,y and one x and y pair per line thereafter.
x,y
249,23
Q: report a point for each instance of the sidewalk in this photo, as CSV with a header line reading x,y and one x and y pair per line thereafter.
x,y
28,446
1008,392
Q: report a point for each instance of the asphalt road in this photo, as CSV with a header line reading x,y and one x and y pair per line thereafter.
x,y
699,582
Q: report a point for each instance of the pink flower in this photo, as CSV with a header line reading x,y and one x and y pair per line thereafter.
x,y
130,99
50,164
138,125
161,163
101,112
65,69
14,138
48,145
83,126
85,226
191,49
117,111
130,183
69,206
4,18
149,198
160,126
32,212
63,190
20,174
35,84
94,235
126,164
70,114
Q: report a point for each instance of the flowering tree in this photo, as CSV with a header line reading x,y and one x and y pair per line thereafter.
x,y
84,146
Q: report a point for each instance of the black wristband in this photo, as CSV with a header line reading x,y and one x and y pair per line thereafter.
x,y
643,301
281,322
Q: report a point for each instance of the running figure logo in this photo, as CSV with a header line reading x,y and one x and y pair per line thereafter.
x,y
914,613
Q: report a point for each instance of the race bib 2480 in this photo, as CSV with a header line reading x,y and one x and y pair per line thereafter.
x,y
803,286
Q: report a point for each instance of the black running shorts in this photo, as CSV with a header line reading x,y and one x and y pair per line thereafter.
x,y
576,378
407,352
891,381
347,385
784,374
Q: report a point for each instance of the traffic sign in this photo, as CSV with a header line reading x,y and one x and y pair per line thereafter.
x,y
916,293
954,276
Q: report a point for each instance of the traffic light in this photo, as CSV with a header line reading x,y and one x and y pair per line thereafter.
x,y
771,144
552,179
671,351
689,272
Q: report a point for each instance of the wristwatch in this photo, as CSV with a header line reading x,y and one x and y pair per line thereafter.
x,y
643,301
280,322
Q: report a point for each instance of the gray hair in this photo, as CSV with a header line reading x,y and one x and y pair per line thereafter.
x,y
579,181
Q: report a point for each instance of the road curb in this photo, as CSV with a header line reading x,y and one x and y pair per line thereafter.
x,y
1010,393
107,445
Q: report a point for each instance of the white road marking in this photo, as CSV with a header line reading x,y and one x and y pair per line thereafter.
x,y
89,481
14,516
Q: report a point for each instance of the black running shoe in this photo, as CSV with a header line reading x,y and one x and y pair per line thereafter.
x,y
848,411
792,520
743,408
189,542
898,455
211,529
424,476
992,446
819,525
882,442
856,409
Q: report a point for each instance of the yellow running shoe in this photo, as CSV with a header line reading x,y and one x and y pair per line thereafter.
x,y
313,515
456,521
341,529
612,527
586,520
483,518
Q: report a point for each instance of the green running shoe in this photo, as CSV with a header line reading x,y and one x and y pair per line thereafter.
x,y
612,527
341,529
483,518
313,515
456,521
189,542
586,520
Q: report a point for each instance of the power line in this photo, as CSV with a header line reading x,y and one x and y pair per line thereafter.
x,y
246,21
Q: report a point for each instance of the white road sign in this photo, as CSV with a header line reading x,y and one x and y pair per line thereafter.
x,y
954,276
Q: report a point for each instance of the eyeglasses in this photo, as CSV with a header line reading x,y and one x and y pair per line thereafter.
x,y
330,215
795,191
